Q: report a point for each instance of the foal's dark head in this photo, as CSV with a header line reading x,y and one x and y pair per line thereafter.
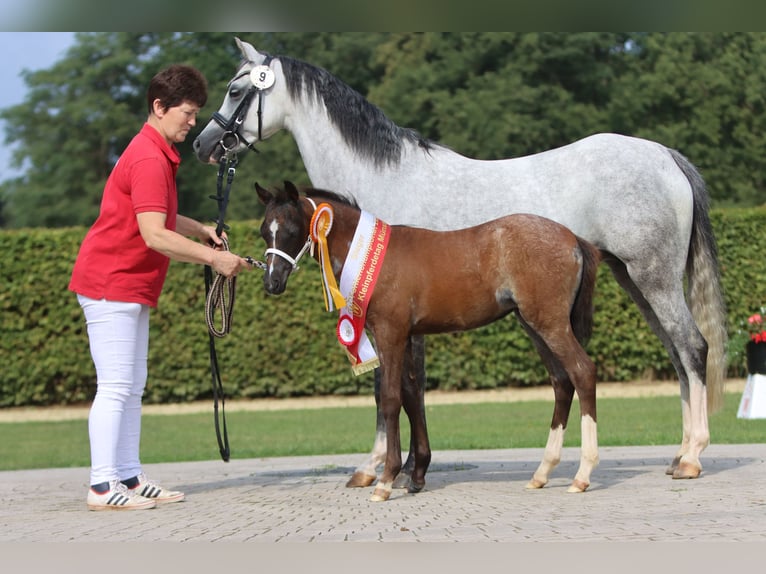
x,y
285,229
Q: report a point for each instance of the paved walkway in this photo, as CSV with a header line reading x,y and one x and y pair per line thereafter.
x,y
470,496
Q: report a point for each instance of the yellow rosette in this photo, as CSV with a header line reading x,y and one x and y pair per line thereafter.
x,y
321,224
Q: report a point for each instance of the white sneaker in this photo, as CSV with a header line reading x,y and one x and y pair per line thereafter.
x,y
118,497
153,491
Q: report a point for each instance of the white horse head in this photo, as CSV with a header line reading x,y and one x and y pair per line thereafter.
x,y
252,109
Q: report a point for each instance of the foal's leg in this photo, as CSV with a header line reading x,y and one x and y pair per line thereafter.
x,y
563,391
413,398
413,386
582,373
570,369
414,375
366,473
391,351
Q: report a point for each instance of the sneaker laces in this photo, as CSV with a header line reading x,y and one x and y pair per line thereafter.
x,y
117,486
147,487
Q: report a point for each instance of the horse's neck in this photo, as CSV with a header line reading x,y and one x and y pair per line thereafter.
x,y
380,188
328,159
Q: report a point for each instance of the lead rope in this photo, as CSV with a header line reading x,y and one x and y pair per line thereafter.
x,y
220,291
213,297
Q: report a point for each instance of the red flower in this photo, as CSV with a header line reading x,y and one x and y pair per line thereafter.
x,y
755,327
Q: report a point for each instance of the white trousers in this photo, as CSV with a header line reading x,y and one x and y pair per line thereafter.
x,y
119,345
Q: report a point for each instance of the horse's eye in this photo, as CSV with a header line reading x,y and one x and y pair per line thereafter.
x,y
235,92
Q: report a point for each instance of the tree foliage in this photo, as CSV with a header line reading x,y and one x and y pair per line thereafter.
x,y
487,95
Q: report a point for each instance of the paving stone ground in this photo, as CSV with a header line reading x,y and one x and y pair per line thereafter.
x,y
294,514
470,496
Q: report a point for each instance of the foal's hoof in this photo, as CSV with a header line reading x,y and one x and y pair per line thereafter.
x,y
380,494
360,479
578,486
687,470
414,487
403,480
535,484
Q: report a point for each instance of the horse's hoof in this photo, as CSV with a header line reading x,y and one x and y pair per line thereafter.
x,y
671,469
402,480
360,479
578,486
687,470
414,487
380,494
535,484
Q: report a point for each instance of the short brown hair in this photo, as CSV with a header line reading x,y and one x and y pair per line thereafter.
x,y
175,85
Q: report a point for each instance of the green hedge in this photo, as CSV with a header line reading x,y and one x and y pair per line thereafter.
x,y
285,346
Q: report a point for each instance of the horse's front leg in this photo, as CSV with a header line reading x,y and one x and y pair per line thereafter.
x,y
366,473
414,387
391,359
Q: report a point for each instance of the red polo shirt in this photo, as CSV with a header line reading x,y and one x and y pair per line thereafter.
x,y
114,263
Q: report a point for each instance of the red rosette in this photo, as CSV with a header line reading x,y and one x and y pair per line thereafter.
x,y
346,331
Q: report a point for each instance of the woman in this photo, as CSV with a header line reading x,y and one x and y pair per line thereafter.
x,y
118,277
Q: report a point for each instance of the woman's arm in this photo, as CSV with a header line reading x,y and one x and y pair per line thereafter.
x,y
176,246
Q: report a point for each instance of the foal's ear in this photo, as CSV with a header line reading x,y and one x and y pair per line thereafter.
x,y
291,191
263,194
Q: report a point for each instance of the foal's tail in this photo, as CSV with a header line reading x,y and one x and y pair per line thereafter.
x,y
582,309
704,279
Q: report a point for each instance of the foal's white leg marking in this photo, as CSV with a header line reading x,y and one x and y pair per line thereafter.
x,y
382,492
370,466
551,457
588,455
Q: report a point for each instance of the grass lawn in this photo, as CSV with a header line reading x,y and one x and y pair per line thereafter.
x,y
168,438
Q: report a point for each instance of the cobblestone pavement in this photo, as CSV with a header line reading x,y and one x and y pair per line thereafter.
x,y
470,496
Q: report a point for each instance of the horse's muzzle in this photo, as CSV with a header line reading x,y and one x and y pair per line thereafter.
x,y
273,285
207,153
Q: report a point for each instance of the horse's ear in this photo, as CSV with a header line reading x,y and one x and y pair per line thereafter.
x,y
292,191
263,194
248,52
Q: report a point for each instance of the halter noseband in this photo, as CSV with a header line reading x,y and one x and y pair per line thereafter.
x,y
232,125
306,246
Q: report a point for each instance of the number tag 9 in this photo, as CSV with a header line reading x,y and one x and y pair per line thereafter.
x,y
262,77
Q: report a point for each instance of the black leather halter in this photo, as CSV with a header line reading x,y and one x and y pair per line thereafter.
x,y
232,136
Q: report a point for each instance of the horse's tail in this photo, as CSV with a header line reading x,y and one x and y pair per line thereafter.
x,y
704,285
581,315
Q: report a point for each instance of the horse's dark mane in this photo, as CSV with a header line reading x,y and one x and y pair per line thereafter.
x,y
321,194
364,127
